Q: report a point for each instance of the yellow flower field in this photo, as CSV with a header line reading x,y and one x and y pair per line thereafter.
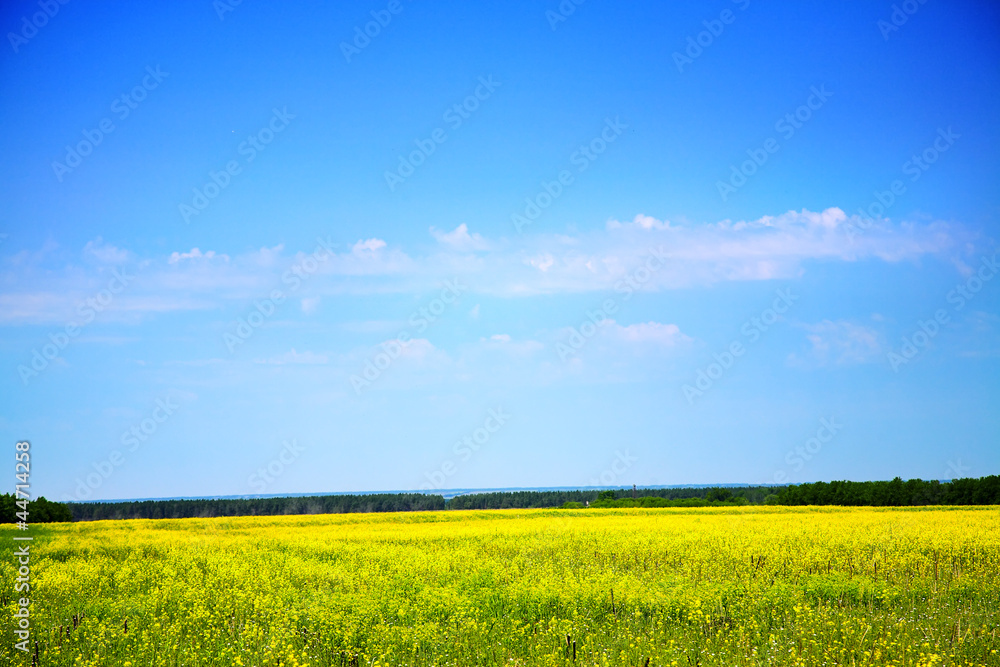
x,y
734,586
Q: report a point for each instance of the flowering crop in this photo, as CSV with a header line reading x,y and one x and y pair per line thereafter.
x,y
714,586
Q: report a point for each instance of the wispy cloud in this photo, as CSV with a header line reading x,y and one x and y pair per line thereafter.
x,y
769,248
105,253
838,343
195,254
460,239
294,357
667,335
310,304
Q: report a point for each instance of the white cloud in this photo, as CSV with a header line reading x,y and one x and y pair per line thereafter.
x,y
105,252
639,222
838,343
363,248
268,256
294,357
38,288
33,307
373,326
506,345
194,255
460,239
310,304
542,262
420,350
418,355
649,332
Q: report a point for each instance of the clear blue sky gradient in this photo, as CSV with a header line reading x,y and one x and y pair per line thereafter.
x,y
620,407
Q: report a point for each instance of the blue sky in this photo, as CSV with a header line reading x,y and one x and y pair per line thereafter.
x,y
219,224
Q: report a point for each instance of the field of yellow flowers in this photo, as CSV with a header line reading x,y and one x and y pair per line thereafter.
x,y
713,586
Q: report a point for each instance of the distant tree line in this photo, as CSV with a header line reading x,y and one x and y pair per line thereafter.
x,y
502,500
39,510
183,509
528,499
897,493
717,497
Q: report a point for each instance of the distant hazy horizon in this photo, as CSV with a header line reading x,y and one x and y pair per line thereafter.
x,y
448,493
252,249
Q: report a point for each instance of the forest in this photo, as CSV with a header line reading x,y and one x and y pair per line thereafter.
x,y
179,509
38,511
895,493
